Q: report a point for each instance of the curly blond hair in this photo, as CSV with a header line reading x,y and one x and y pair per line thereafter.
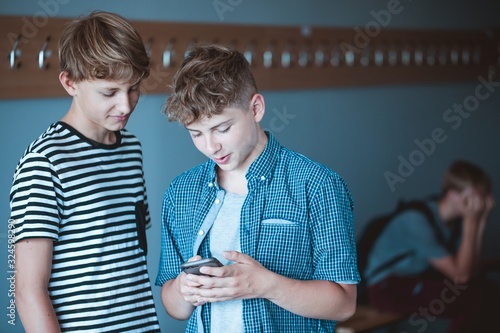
x,y
211,78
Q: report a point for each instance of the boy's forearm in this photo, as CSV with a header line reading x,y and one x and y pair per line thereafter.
x,y
174,303
36,312
479,244
33,268
314,298
467,253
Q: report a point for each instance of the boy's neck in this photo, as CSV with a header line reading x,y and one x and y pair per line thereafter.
x,y
104,137
234,182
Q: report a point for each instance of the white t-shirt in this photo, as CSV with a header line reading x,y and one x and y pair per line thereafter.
x,y
225,235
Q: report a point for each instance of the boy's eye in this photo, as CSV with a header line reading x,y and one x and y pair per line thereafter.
x,y
224,130
195,135
111,94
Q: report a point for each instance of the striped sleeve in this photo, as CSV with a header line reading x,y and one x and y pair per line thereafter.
x,y
33,199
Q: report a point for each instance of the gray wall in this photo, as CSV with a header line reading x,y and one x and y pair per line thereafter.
x,y
361,132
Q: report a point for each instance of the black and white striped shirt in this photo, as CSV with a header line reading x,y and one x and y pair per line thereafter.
x,y
91,200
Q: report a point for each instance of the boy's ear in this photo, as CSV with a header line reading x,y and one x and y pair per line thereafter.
x,y
258,107
68,84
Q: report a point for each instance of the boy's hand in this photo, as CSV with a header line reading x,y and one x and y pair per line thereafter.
x,y
246,278
476,206
489,205
491,202
186,285
473,205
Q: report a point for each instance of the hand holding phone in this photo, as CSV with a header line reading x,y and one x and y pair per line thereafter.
x,y
193,267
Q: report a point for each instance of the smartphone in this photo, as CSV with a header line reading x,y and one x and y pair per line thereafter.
x,y
193,267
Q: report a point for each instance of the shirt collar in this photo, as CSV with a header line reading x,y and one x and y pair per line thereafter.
x,y
212,167
263,167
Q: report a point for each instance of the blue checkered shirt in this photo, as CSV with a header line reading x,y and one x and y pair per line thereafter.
x,y
296,221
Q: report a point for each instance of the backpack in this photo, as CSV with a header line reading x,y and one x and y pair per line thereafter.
x,y
374,229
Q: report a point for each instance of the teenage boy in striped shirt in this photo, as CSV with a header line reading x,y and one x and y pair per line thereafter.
x,y
78,198
281,224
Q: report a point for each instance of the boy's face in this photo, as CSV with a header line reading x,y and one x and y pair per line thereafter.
x,y
233,139
103,105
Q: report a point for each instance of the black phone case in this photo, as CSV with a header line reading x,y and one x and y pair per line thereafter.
x,y
193,267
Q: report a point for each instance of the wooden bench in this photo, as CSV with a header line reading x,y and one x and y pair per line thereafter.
x,y
366,319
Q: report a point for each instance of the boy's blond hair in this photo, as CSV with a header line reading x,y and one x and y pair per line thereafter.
x,y
211,78
105,46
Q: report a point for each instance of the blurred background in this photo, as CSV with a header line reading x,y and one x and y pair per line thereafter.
x,y
365,133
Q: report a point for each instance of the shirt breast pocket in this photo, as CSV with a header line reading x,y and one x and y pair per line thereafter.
x,y
278,222
140,219
279,231
284,247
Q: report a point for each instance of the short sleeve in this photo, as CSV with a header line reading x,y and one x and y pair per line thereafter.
x,y
169,258
332,224
33,199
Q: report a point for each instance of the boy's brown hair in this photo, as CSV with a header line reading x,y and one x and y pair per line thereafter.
x,y
105,46
462,174
211,78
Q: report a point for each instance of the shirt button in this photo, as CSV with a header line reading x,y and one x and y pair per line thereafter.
x,y
217,201
201,232
263,178
210,184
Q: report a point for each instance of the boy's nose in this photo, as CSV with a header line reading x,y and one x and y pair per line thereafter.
x,y
125,104
212,144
